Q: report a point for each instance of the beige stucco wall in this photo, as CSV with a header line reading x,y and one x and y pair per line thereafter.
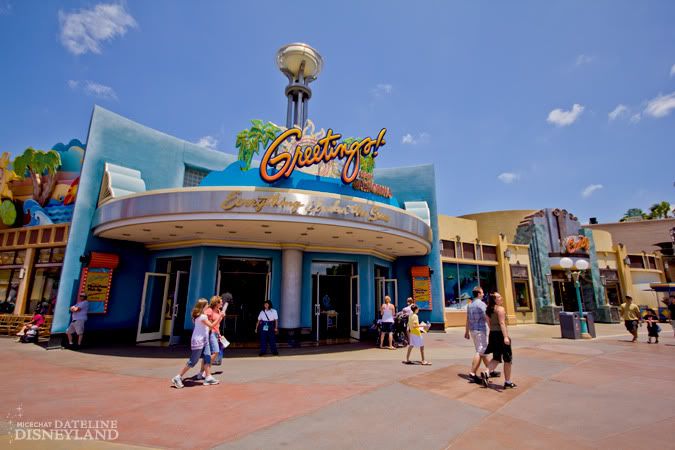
x,y
451,227
603,240
490,224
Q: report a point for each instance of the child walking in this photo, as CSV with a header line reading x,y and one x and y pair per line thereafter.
x,y
653,327
199,345
416,339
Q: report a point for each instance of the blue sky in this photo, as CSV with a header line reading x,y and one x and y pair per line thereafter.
x,y
518,104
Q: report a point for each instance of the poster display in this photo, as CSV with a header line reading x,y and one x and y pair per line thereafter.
x,y
96,280
421,287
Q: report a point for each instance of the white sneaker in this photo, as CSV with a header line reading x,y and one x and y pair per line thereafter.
x,y
210,380
200,376
177,382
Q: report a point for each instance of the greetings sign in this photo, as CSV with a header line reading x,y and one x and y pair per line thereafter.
x,y
421,283
276,165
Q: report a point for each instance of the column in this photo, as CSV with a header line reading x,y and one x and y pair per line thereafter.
x,y
24,283
291,288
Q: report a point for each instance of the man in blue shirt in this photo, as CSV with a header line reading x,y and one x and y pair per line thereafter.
x,y
476,327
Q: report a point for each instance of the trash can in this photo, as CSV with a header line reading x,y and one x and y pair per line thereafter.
x,y
570,325
590,323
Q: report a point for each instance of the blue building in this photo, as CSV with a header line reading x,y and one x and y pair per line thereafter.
x,y
160,222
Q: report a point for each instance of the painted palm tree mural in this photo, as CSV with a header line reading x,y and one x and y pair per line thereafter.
x,y
41,167
251,140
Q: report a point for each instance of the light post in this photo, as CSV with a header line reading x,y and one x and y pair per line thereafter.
x,y
580,265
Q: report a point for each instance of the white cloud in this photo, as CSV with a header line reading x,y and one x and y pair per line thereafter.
x,y
584,59
208,142
561,118
588,191
660,106
508,177
84,31
672,70
421,138
635,118
94,89
382,89
619,111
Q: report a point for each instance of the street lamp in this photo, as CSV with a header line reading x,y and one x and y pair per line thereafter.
x,y
580,265
301,64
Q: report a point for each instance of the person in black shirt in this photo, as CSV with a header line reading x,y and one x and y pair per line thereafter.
x,y
652,325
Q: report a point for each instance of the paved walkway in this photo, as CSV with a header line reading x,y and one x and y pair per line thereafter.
x,y
605,393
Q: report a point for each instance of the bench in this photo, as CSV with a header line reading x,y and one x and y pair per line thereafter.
x,y
11,324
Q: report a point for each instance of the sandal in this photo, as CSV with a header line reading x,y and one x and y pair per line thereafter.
x,y
426,363
407,362
391,348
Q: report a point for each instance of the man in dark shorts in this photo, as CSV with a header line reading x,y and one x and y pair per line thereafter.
x,y
630,313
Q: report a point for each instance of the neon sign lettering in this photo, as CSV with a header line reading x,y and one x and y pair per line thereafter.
x,y
326,149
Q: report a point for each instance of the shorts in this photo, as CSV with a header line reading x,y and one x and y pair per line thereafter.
x,y
213,343
497,347
197,353
387,327
416,341
480,340
631,325
77,327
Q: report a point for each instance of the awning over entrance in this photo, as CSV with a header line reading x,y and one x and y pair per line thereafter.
x,y
255,217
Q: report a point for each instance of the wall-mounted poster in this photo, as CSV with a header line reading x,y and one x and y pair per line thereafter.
x,y
96,280
421,284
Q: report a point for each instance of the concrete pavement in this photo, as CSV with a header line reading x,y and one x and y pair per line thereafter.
x,y
604,393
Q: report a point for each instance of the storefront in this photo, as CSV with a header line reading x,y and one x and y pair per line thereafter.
x,y
186,222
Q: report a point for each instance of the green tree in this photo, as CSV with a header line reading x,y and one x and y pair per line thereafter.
x,y
659,210
41,167
632,213
367,162
250,140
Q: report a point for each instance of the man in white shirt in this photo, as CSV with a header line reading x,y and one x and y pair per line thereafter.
x,y
79,316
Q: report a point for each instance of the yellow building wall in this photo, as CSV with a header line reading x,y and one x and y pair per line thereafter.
x,y
451,227
491,224
603,240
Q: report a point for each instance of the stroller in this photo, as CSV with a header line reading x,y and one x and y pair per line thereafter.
x,y
401,330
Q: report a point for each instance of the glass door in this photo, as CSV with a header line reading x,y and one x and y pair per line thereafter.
x,y
180,300
153,306
355,330
379,295
391,289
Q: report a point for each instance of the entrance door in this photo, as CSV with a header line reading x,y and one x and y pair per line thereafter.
x,y
248,280
355,330
153,306
179,301
386,286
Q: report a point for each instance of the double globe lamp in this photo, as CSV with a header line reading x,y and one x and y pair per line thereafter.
x,y
580,265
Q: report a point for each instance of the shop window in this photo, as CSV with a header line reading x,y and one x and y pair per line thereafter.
x,y
636,262
469,251
193,176
613,294
521,293
460,279
6,258
58,254
651,261
449,249
9,288
43,255
43,289
489,253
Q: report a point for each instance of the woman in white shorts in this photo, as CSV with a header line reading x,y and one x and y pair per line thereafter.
x,y
416,339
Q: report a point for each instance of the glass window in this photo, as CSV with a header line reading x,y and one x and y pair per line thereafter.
x,y
652,262
636,262
460,279
9,288
43,255
58,254
469,251
489,253
449,249
6,258
193,176
522,295
43,289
